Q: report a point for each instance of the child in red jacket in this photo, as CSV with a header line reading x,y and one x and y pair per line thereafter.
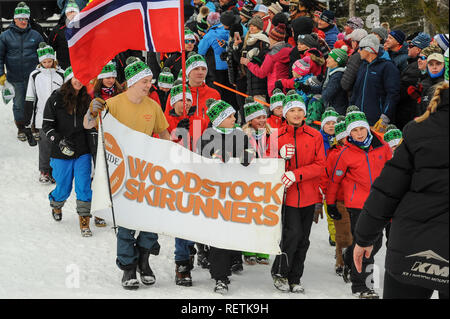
x,y
359,163
302,148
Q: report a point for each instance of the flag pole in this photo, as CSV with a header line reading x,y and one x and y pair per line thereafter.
x,y
183,55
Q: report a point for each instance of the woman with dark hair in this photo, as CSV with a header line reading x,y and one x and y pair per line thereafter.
x,y
70,156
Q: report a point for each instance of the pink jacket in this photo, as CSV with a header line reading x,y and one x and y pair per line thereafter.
x,y
275,65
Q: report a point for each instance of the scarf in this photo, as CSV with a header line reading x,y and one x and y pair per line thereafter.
x,y
435,76
362,145
223,130
108,91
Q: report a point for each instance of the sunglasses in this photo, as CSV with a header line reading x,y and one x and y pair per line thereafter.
x,y
422,57
189,41
411,46
22,19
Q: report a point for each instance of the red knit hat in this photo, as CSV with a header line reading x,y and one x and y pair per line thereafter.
x,y
278,33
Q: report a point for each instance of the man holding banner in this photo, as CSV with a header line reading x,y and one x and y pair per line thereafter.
x,y
136,110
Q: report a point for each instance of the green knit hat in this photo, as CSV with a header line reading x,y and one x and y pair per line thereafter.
x,y
276,99
393,135
108,71
45,52
446,65
22,11
291,100
176,93
253,109
136,70
340,56
165,78
355,118
68,74
189,35
330,114
72,7
340,129
218,111
194,60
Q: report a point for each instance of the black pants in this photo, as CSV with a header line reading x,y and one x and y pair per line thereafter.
x,y
360,281
394,289
297,224
221,261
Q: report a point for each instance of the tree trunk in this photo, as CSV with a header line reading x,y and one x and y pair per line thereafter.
x,y
351,8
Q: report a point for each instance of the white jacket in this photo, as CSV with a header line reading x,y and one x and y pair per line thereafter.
x,y
41,84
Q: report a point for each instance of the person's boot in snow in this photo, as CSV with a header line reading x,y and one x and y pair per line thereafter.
x,y
129,280
346,272
21,136
57,214
281,283
84,226
221,287
297,288
250,260
236,264
144,269
183,274
99,222
192,253
202,256
30,138
262,260
44,178
366,294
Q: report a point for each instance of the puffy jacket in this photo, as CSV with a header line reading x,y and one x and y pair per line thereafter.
x,y
412,190
376,90
332,92
400,57
57,40
18,52
355,171
307,164
274,67
215,38
351,71
59,124
200,95
41,84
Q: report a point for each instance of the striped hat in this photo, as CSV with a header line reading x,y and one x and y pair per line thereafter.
x,y
340,129
136,70
393,135
45,52
165,78
340,56
292,100
446,65
176,93
108,71
442,41
194,60
276,99
253,109
22,11
355,118
330,114
218,111
68,74
72,7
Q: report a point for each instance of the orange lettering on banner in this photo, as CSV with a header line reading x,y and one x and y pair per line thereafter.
x,y
225,212
145,192
223,188
138,169
198,183
270,212
270,192
132,192
207,190
237,211
153,175
189,206
251,192
254,212
167,197
244,188
170,182
206,209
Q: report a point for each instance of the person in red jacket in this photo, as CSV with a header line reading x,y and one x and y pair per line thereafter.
x,y
196,71
359,163
302,148
276,120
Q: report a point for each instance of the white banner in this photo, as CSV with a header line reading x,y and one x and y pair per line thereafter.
x,y
162,187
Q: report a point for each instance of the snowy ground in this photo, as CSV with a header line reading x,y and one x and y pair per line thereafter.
x,y
40,258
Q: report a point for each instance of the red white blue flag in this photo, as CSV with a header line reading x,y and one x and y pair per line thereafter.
x,y
105,28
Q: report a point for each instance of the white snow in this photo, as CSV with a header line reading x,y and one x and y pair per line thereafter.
x,y
40,258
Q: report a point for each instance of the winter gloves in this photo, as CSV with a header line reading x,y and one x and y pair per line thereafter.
x,y
333,212
66,147
2,79
288,179
287,151
415,92
97,105
381,125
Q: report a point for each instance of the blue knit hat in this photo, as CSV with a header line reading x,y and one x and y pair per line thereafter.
x,y
442,40
422,40
398,35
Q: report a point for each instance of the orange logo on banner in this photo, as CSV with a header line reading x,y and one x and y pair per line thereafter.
x,y
116,163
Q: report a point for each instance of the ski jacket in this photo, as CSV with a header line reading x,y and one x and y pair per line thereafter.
x,y
412,190
215,38
41,84
307,164
400,57
59,124
18,52
428,84
351,71
376,90
331,35
355,171
332,92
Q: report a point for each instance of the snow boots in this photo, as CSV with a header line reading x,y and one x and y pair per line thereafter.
x,y
57,214
281,283
99,222
366,294
183,273
221,287
129,280
84,226
297,288
202,256
250,260
21,136
145,271
30,137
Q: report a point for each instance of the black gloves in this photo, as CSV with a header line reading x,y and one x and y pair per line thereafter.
x,y
305,88
333,212
66,147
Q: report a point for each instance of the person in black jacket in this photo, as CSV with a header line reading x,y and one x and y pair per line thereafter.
x,y
70,155
412,190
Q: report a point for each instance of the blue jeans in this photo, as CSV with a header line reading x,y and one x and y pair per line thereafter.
x,y
182,251
127,246
20,89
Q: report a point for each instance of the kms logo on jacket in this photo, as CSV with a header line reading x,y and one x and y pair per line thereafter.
x,y
434,267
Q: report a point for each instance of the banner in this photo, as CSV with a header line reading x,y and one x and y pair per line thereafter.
x,y
162,187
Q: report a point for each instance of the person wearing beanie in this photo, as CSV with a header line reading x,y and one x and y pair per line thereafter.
x,y
302,148
328,26
420,42
376,96
46,78
381,33
222,141
70,157
246,14
352,24
359,163
302,8
275,64
393,137
201,24
273,9
276,119
397,48
441,40
309,45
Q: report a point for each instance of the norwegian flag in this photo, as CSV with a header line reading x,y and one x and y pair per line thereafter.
x,y
105,28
